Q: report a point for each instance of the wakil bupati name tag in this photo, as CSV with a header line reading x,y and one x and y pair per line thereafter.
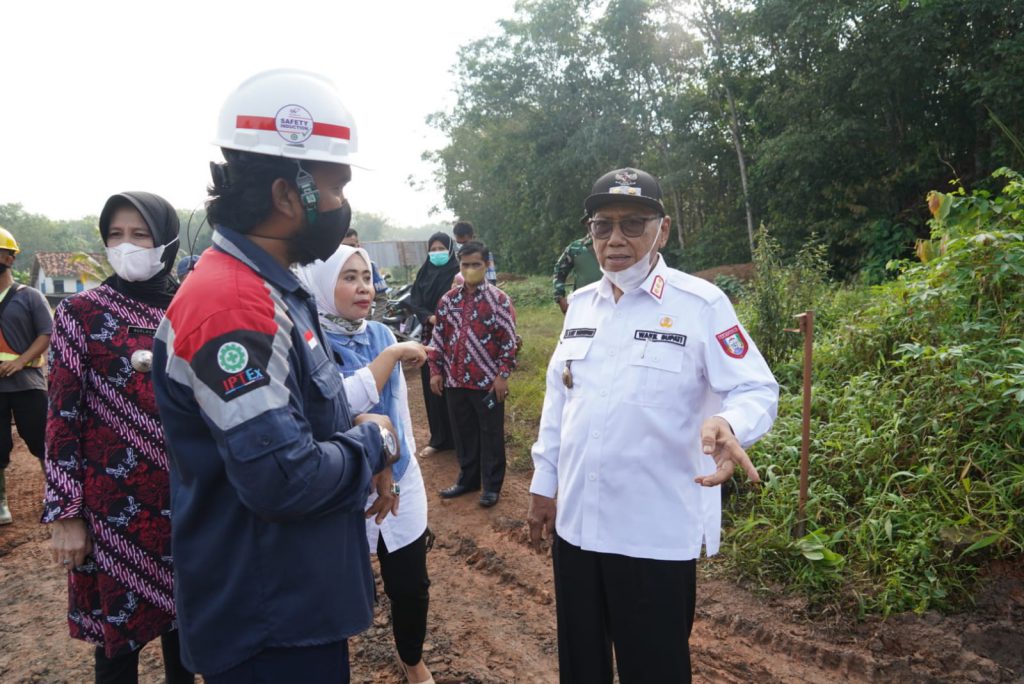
x,y
579,332
136,330
659,336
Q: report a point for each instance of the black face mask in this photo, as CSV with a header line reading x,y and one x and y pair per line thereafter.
x,y
320,239
3,269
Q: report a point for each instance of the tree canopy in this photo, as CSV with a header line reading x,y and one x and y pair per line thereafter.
x,y
842,113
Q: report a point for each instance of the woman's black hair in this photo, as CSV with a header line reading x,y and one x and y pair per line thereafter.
x,y
240,197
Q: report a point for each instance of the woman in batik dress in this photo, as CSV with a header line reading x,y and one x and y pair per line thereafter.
x,y
107,492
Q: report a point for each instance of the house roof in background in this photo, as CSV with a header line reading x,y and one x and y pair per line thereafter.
x,y
59,264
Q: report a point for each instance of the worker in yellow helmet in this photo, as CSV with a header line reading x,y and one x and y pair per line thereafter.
x,y
25,325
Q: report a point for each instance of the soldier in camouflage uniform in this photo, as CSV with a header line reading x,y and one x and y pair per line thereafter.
x,y
578,256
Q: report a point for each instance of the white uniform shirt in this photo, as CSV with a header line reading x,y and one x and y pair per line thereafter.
x,y
621,448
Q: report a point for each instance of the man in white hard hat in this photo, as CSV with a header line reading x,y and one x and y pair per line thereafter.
x,y
269,470
25,326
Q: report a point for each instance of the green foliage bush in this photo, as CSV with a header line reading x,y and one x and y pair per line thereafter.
x,y
779,292
530,292
730,285
917,453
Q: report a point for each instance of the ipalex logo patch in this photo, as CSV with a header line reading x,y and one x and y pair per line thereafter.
x,y
733,342
234,364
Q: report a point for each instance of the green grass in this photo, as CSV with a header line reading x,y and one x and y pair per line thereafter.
x,y
538,322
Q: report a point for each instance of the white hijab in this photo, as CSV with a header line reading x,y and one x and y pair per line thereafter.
x,y
320,278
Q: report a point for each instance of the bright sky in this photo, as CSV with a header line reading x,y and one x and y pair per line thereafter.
x,y
105,96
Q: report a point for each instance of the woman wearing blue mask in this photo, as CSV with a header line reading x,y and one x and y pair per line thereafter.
x,y
433,280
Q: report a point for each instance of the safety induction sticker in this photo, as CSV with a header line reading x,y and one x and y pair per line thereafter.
x,y
294,123
733,342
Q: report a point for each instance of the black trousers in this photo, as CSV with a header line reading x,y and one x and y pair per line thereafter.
x,y
642,607
406,583
479,438
29,410
437,415
124,668
325,664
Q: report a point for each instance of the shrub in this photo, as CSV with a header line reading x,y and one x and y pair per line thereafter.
x,y
779,292
917,453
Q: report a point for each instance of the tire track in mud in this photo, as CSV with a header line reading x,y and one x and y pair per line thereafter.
x,y
492,608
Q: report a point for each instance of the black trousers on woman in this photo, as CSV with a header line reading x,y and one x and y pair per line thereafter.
x,y
404,572
124,668
441,437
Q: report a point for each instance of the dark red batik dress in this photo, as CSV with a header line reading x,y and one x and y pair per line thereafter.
x,y
106,463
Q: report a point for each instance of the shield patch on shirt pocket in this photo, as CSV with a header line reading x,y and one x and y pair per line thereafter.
x,y
656,372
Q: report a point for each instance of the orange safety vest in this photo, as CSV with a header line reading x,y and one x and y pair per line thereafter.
x,y
6,352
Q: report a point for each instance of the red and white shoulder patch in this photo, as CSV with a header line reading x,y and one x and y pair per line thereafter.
x,y
310,338
733,342
658,286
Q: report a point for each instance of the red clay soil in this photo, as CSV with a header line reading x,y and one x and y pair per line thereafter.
x,y
492,612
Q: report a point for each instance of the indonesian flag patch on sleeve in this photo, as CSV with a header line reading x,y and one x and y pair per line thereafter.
x,y
733,342
310,339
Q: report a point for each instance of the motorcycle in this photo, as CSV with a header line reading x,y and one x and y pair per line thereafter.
x,y
399,316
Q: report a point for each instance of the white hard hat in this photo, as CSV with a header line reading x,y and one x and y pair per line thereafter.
x,y
288,113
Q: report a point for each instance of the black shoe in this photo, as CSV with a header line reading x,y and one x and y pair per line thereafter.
x,y
456,490
488,499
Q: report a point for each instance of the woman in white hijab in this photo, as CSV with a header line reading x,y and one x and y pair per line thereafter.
x,y
374,383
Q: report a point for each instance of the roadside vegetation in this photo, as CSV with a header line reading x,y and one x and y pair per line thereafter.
x,y
917,452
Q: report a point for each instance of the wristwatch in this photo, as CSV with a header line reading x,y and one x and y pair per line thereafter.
x,y
389,447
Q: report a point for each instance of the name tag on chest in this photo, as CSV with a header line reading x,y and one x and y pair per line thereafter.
x,y
572,333
659,336
138,330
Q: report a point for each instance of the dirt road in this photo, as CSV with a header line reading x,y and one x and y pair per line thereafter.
x,y
492,611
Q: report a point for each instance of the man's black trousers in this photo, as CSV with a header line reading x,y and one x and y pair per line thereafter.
x,y
643,608
29,410
479,438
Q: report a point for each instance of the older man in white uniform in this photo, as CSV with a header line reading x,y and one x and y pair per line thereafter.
x,y
652,393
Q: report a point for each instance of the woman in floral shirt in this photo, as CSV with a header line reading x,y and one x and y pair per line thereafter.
x,y
107,491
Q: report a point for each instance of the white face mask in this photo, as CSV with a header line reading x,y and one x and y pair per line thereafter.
x,y
629,279
134,263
